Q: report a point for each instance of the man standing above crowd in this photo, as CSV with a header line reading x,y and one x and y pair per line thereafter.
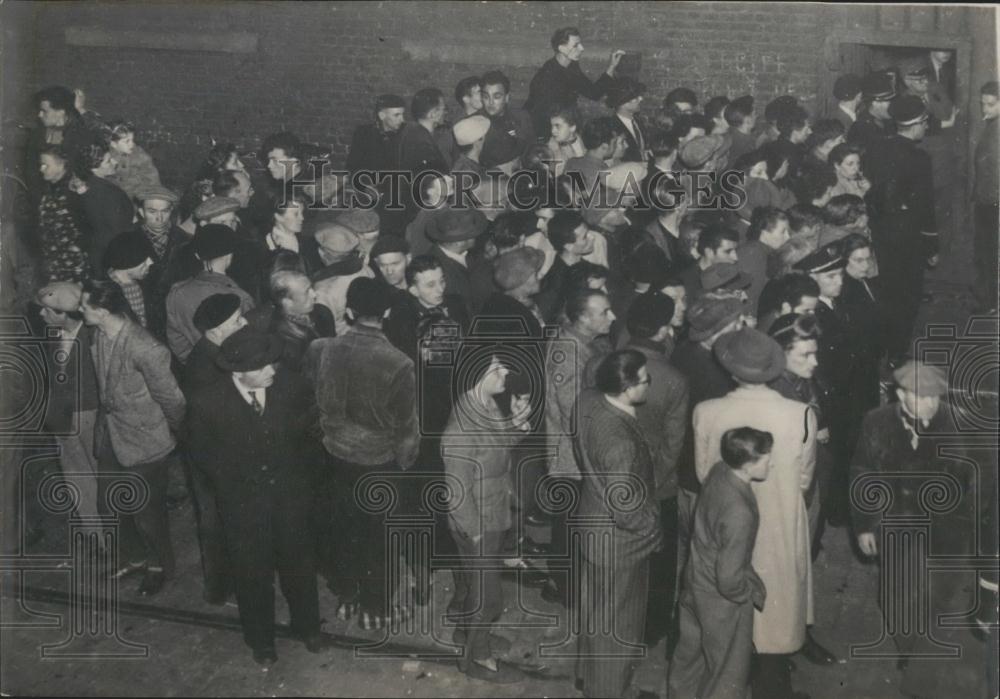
x,y
375,147
560,80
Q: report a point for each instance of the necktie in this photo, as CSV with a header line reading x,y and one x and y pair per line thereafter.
x,y
255,404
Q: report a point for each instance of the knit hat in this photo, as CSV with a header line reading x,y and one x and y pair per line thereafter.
x,y
920,378
156,192
369,298
60,296
359,221
514,268
127,250
455,225
215,206
214,311
249,350
214,240
470,129
707,316
750,355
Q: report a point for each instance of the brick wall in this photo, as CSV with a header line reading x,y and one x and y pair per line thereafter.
x,y
316,67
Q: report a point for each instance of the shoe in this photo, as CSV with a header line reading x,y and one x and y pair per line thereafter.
x,y
130,569
815,653
504,674
498,644
317,642
265,657
537,520
152,583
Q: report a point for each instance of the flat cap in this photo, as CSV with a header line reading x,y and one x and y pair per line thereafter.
x,y
907,110
920,378
369,298
826,259
214,311
213,240
359,220
215,206
470,129
701,149
60,296
846,87
454,225
337,238
389,101
156,191
750,355
127,250
514,268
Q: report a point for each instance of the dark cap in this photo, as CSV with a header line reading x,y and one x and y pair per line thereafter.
x,y
724,275
213,240
389,102
454,225
249,350
907,110
624,90
214,311
649,312
128,250
750,355
826,259
847,87
878,86
389,243
369,298
708,315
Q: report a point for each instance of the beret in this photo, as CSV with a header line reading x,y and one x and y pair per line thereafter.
x,y
826,259
750,355
920,378
215,206
127,250
470,129
359,220
337,238
514,268
708,316
213,240
389,243
60,296
846,86
214,311
156,192
700,150
369,298
724,274
907,110
878,86
454,225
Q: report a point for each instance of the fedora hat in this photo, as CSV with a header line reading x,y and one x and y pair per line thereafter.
x,y
249,350
750,355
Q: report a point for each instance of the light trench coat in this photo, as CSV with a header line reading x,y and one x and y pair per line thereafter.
x,y
781,555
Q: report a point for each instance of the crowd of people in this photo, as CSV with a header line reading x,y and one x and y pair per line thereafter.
x,y
697,367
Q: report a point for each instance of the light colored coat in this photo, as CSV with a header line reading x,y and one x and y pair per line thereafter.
x,y
781,555
140,398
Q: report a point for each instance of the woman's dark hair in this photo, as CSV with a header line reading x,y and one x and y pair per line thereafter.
x,y
510,227
844,209
814,182
744,445
223,183
685,122
841,151
561,36
106,295
58,97
788,288
566,112
424,101
764,218
619,371
216,160
89,157
853,242
663,144
679,95
790,328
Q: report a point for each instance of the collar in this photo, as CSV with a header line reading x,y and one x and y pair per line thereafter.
x,y
261,393
459,258
624,407
70,334
827,300
849,112
362,329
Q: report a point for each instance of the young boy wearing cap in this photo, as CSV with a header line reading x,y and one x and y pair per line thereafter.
x,y
721,587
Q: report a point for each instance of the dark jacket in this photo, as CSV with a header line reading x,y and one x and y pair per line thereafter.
x,y
510,134
866,334
869,131
902,194
986,189
457,278
200,370
296,333
636,151
419,151
614,455
551,299
367,398
373,149
408,317
109,212
664,415
554,85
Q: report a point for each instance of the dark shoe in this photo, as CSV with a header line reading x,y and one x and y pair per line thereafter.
x,y
498,644
265,657
317,643
815,653
152,583
504,674
537,520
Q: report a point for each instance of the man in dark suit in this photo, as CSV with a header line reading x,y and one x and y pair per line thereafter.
x,y
252,434
614,454
454,234
625,97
